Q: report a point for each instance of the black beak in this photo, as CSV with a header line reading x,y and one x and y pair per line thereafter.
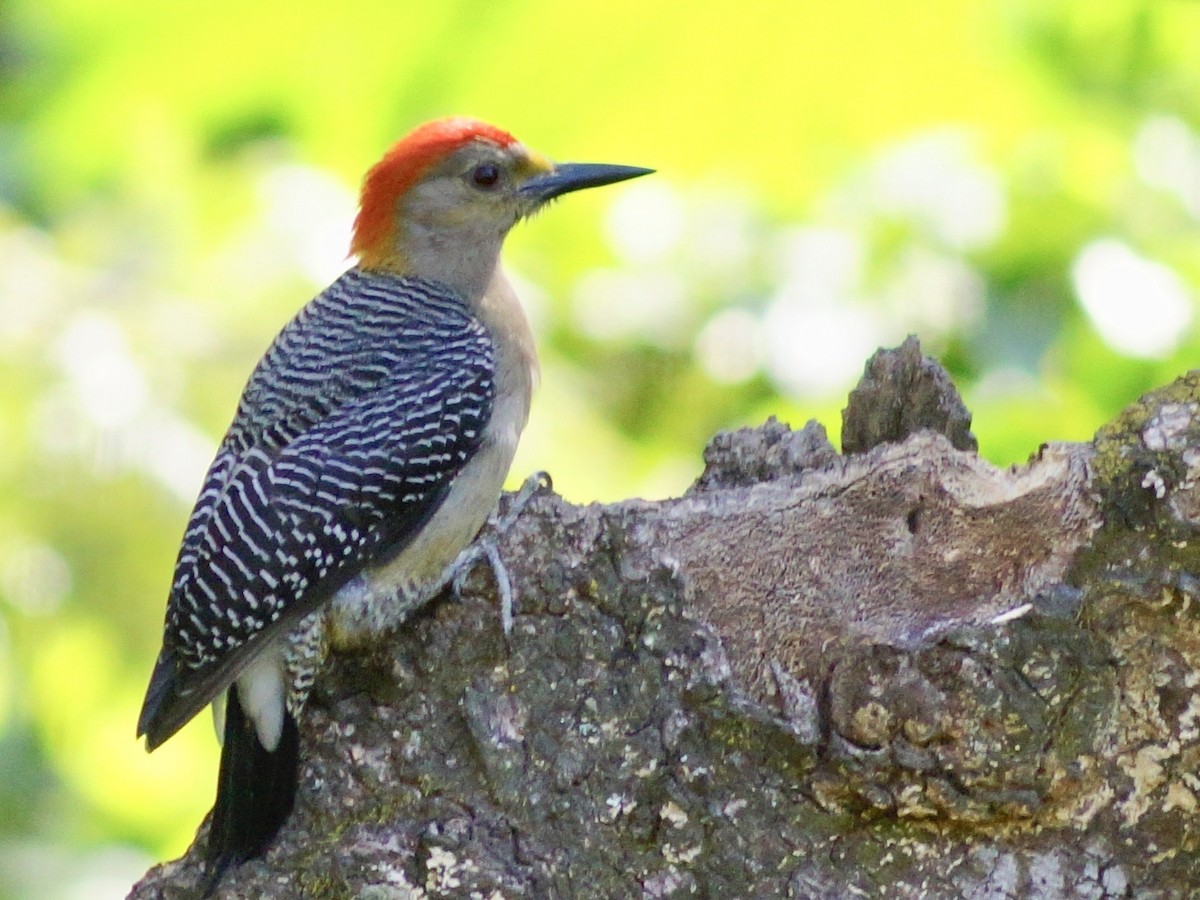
x,y
569,177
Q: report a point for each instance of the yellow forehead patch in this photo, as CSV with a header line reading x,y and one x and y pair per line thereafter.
x,y
534,163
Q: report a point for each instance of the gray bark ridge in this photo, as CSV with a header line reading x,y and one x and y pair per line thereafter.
x,y
901,672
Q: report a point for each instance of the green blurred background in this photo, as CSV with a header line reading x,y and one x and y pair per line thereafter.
x,y
1017,182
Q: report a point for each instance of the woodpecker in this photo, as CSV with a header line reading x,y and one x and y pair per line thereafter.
x,y
368,449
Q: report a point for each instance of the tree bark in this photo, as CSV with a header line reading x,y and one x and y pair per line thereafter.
x,y
898,672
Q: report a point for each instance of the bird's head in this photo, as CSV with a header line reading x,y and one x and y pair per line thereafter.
x,y
442,199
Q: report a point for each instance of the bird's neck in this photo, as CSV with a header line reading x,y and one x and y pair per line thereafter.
x,y
517,372
465,258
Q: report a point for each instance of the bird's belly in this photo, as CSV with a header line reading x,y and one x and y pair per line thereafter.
x,y
384,596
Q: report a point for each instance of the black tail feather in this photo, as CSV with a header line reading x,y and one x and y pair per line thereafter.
x,y
256,789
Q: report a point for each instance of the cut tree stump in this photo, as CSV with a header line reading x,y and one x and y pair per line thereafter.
x,y
900,672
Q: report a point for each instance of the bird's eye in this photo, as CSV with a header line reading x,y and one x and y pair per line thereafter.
x,y
485,176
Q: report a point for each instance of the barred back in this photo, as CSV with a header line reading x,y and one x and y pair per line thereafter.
x,y
348,434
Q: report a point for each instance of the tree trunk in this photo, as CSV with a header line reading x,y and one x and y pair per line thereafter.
x,y
899,672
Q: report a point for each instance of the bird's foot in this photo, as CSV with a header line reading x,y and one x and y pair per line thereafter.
x,y
485,547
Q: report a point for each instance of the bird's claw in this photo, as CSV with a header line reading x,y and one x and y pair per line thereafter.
x,y
486,547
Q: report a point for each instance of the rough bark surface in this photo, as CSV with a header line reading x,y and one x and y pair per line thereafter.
x,y
901,673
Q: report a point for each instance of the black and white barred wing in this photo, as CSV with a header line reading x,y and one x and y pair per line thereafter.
x,y
292,525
